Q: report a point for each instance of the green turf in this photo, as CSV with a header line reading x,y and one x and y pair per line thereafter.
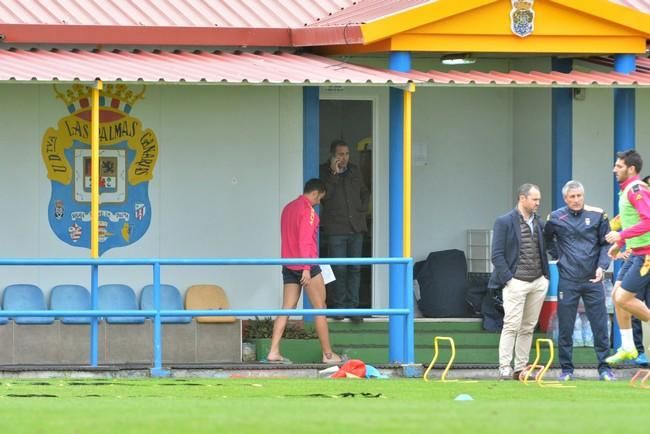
x,y
317,406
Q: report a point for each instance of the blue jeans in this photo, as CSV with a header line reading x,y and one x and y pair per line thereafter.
x,y
345,289
593,297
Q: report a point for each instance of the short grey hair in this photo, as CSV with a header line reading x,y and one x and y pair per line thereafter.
x,y
572,185
524,189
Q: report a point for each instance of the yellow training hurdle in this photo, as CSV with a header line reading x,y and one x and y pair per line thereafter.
x,y
539,377
436,352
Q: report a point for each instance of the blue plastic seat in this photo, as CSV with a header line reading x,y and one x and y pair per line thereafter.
x,y
118,297
25,297
170,299
70,297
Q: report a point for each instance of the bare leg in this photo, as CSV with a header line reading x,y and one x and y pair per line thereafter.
x,y
623,317
316,293
291,294
627,301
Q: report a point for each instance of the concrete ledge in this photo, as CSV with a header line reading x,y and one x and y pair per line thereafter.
x,y
258,370
69,344
128,343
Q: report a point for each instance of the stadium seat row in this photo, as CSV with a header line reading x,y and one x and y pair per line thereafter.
x,y
112,297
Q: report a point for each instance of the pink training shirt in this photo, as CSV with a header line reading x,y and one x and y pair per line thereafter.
x,y
640,200
299,230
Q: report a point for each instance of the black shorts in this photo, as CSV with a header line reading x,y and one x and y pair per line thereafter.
x,y
633,281
294,276
624,268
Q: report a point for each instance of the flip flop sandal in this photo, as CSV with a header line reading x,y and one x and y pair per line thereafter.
x,y
342,359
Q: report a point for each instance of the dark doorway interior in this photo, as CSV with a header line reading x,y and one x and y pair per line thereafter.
x,y
351,121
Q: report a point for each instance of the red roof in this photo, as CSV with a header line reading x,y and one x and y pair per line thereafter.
x,y
214,13
265,68
238,23
369,10
186,66
531,79
343,27
182,13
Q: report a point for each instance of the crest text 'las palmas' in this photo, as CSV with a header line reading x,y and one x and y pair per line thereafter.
x,y
127,158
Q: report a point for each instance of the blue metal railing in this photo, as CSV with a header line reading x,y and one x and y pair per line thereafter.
x,y
401,341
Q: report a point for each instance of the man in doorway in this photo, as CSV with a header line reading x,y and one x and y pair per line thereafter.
x,y
634,212
575,236
521,269
299,230
344,222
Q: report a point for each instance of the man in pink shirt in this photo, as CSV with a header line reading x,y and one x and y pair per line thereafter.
x,y
299,228
634,214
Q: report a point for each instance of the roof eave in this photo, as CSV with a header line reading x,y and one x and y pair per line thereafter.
x,y
63,34
327,35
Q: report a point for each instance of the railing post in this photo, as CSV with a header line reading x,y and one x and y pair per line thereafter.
x,y
94,321
157,370
409,339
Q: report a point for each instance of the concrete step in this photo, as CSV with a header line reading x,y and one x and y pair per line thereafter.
x,y
428,325
469,355
368,341
421,338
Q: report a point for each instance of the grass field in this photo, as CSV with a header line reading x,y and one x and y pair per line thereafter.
x,y
317,406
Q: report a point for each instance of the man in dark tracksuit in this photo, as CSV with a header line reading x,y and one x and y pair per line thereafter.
x,y
344,223
575,236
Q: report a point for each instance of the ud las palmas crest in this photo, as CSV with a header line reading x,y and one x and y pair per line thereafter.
x,y
127,158
522,17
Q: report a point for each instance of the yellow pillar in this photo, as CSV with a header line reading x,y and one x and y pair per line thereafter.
x,y
407,170
94,180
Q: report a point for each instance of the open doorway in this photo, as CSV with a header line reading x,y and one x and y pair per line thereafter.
x,y
351,122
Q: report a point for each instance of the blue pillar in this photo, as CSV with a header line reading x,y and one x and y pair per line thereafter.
x,y
396,221
399,61
94,322
157,370
562,133
624,136
624,113
310,147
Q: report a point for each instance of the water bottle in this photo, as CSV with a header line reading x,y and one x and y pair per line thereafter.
x,y
554,330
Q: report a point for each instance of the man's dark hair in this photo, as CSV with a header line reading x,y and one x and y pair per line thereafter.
x,y
314,184
631,158
335,144
524,189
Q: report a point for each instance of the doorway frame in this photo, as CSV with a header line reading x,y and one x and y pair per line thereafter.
x,y
351,95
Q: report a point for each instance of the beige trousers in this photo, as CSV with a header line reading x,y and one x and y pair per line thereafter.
x,y
522,303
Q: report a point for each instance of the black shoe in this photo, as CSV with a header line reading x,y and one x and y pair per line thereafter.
x,y
356,319
516,374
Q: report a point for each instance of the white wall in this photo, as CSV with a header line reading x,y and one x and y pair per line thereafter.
x,y
593,142
218,188
532,143
467,178
593,146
